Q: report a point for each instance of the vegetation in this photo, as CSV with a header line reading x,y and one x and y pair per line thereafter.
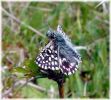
x,y
87,24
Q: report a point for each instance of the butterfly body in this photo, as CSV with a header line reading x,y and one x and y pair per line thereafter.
x,y
59,54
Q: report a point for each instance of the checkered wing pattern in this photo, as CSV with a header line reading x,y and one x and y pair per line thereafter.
x,y
68,67
48,58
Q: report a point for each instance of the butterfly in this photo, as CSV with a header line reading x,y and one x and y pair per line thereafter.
x,y
59,53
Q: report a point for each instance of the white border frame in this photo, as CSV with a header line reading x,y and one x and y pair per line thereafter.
x,y
56,1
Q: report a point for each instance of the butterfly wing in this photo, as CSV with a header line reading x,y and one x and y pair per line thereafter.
x,y
67,67
68,61
48,57
52,58
69,58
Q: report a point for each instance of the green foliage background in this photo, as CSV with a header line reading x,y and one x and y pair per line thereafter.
x,y
84,23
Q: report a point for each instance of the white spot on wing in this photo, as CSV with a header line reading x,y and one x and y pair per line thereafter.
x,y
42,56
57,68
41,61
55,58
49,63
36,62
65,73
52,56
75,68
38,59
45,67
55,63
63,67
60,62
42,66
69,73
46,54
51,47
68,69
61,70
52,63
39,64
53,68
72,64
56,51
73,71
49,58
64,59
49,50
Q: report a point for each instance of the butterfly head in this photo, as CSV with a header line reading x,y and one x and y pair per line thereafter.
x,y
55,35
50,34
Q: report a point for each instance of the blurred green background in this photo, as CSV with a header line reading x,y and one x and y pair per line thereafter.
x,y
84,22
